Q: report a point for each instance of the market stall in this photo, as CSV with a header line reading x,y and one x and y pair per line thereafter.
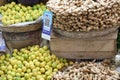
x,y
59,40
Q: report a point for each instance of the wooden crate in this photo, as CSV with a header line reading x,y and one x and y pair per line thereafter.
x,y
89,48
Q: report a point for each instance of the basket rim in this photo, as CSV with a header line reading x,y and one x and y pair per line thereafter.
x,y
27,28
84,35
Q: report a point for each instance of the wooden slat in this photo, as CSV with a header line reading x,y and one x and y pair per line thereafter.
x,y
112,35
82,45
85,54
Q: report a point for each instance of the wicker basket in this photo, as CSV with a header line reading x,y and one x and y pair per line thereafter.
x,y
29,2
2,2
17,37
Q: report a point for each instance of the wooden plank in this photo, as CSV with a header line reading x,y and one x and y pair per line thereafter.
x,y
82,45
112,35
84,54
82,34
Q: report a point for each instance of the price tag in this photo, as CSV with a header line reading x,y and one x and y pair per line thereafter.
x,y
47,25
2,43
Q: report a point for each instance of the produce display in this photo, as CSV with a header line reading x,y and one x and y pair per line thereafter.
x,y
84,15
30,63
37,63
15,13
88,71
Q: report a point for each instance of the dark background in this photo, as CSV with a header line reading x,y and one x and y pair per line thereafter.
x,y
44,1
12,0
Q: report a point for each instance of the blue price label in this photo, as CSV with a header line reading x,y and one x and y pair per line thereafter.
x,y
2,43
47,25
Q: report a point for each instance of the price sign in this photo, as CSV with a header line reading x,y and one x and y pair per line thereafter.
x,y
2,43
47,25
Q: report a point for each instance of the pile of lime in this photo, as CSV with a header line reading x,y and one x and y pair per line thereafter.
x,y
30,63
15,13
